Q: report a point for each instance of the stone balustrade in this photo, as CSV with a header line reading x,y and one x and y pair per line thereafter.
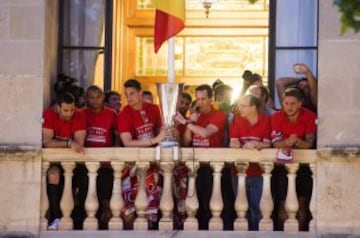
x,y
165,158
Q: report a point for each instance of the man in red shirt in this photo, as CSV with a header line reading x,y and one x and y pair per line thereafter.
x,y
101,132
139,125
65,129
292,127
251,130
204,129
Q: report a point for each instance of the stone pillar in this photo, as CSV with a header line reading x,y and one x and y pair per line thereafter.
x,y
67,201
241,203
191,202
312,225
216,201
167,201
44,204
141,202
91,203
117,201
291,202
266,202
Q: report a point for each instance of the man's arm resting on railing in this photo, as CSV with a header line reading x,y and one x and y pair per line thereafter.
x,y
49,141
128,141
204,132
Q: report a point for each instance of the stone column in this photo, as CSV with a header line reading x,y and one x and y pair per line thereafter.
x,y
117,201
44,199
167,201
216,201
266,202
141,202
91,203
241,203
191,202
291,202
67,201
312,225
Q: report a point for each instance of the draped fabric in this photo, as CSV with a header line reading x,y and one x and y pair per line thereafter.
x,y
169,20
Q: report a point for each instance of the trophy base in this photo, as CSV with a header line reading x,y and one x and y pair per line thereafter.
x,y
168,143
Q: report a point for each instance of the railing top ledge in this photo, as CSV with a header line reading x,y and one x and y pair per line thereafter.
x,y
166,154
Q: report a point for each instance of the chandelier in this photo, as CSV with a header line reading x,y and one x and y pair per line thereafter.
x,y
207,5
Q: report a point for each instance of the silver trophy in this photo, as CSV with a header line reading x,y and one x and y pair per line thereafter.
x,y
168,96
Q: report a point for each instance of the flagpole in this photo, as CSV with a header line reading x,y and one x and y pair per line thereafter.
x,y
171,60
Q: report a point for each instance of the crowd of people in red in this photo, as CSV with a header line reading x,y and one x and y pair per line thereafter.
x,y
93,118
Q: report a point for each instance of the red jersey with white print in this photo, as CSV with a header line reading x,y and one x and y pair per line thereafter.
x,y
242,130
142,124
218,119
282,127
64,130
100,127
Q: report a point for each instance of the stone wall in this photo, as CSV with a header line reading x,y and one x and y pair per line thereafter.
x,y
20,183
27,63
28,48
339,81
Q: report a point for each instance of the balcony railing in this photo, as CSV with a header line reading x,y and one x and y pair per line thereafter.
x,y
167,159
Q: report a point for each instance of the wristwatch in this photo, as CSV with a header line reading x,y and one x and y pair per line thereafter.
x,y
189,122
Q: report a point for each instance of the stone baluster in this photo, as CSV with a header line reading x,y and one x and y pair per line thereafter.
x,y
116,202
291,202
191,202
167,201
312,226
91,202
67,201
44,200
216,201
141,202
266,202
241,203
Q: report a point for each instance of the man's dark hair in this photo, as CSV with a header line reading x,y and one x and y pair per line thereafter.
x,y
67,98
294,92
110,93
94,88
187,96
132,83
147,92
216,83
205,87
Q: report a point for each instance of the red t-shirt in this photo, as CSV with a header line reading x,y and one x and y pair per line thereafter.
x,y
100,127
282,128
142,124
242,130
64,130
218,119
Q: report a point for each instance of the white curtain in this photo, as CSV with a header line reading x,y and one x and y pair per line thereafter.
x,y
83,26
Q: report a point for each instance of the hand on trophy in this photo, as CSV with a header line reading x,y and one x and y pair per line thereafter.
x,y
178,118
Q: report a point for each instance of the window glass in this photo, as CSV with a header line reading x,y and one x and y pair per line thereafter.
x,y
204,56
217,5
296,23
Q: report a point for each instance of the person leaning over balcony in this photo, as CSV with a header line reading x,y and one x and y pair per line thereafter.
x,y
65,129
204,129
113,100
139,125
292,127
180,172
308,85
251,130
101,132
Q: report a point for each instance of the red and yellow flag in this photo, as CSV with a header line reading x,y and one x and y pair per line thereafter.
x,y
169,20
